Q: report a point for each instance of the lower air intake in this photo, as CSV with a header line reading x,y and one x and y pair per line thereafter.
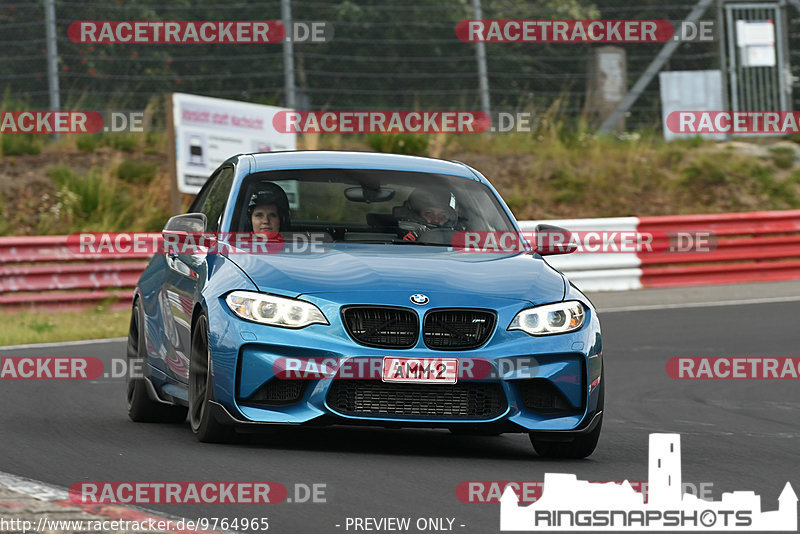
x,y
277,392
473,400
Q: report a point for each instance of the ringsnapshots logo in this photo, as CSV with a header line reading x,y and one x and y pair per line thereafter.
x,y
569,504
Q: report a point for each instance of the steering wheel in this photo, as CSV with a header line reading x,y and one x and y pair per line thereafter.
x,y
442,236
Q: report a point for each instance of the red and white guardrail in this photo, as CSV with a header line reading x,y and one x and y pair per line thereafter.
x,y
43,271
748,247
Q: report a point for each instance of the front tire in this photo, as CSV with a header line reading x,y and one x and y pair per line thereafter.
x,y
201,389
141,408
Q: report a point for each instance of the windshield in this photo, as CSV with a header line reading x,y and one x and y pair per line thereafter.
x,y
367,206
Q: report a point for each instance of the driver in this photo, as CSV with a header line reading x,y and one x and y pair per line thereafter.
x,y
425,210
268,210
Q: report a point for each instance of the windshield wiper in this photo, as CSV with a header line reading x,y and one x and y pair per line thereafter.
x,y
364,242
396,242
421,243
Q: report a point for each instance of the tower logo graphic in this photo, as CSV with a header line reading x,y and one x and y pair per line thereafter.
x,y
569,504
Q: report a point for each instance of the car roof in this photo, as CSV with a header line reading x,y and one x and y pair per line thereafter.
x,y
329,159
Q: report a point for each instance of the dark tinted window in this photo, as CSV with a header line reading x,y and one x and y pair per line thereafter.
x,y
201,196
318,200
213,204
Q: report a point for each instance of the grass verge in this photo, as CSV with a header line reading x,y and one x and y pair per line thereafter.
x,y
24,327
558,170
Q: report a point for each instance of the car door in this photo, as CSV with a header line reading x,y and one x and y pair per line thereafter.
x,y
186,271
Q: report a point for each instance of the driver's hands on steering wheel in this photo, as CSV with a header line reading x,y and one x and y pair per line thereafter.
x,y
411,231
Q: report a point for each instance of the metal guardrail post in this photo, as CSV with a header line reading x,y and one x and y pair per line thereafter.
x,y
480,56
652,69
288,55
52,56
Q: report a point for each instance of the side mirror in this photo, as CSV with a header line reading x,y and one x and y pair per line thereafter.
x,y
186,223
184,235
551,240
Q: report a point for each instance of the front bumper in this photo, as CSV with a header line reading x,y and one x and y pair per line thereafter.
x,y
566,367
545,392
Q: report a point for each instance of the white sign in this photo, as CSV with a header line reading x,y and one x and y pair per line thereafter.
x,y
754,33
759,56
756,41
689,90
210,130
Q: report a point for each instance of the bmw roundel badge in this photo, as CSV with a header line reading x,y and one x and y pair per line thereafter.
x,y
419,300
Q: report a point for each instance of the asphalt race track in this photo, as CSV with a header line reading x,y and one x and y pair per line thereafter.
x,y
737,434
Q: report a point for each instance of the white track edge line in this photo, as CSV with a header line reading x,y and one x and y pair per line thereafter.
x,y
739,302
64,343
47,492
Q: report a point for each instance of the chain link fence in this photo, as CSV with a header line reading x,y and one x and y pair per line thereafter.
x,y
383,56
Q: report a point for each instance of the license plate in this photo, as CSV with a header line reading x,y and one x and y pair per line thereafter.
x,y
438,370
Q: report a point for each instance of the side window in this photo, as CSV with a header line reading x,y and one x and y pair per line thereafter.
x,y
201,196
213,205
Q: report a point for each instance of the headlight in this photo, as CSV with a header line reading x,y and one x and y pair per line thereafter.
x,y
273,310
550,319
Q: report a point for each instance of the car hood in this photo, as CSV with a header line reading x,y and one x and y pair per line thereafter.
x,y
414,269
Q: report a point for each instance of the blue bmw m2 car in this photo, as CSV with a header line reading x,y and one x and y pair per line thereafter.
x,y
336,288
